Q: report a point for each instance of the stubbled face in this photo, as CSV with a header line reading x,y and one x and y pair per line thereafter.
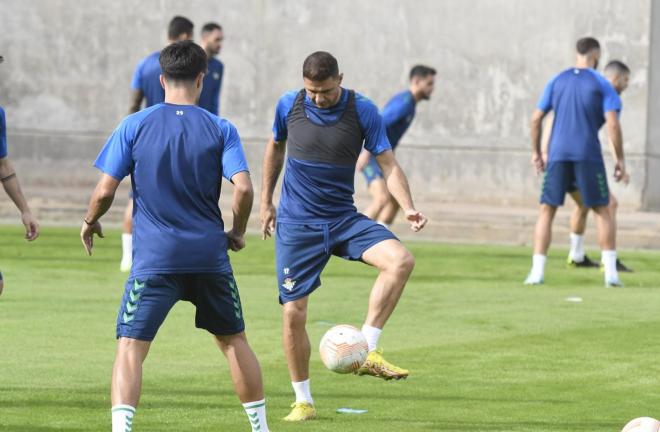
x,y
620,82
424,86
212,41
324,93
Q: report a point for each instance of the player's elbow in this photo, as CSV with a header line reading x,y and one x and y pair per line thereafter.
x,y
244,189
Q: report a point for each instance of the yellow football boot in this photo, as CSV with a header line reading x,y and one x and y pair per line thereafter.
x,y
301,411
377,366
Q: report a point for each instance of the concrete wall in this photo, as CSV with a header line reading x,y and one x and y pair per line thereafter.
x,y
65,82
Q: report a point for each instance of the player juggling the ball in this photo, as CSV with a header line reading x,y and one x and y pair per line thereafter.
x,y
323,128
177,154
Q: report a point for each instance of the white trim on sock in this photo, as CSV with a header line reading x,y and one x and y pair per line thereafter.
x,y
122,418
303,391
538,266
371,334
608,258
256,412
577,247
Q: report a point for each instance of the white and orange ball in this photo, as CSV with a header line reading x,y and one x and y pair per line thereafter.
x,y
343,349
642,424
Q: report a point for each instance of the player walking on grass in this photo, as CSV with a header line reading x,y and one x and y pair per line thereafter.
x,y
582,100
145,86
177,154
324,126
398,115
13,188
618,74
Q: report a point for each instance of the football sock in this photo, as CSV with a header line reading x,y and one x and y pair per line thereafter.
x,y
577,247
127,248
538,266
303,393
256,412
122,418
608,258
371,334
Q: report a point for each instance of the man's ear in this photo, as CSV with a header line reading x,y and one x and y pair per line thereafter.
x,y
162,81
341,77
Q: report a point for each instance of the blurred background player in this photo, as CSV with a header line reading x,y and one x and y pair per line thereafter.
x,y
618,74
13,188
211,40
582,100
146,87
324,128
398,115
181,246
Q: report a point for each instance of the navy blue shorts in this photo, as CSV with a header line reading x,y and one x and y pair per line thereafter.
x,y
147,301
372,171
589,178
303,250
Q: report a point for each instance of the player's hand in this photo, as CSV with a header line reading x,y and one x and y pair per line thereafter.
x,y
538,163
268,214
416,219
620,173
31,226
235,241
87,235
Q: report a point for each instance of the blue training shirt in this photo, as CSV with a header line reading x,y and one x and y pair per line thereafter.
x,y
176,156
209,99
147,79
3,134
300,204
398,115
579,98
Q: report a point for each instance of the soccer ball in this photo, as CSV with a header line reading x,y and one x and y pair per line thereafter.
x,y
343,349
642,424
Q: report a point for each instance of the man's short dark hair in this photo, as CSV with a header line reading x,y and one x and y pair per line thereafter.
x,y
421,71
179,26
617,67
320,66
182,61
585,45
211,26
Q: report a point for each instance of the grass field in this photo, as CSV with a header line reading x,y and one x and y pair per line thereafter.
x,y
485,352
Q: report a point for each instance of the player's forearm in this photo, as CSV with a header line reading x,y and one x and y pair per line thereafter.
x,y
12,186
241,207
397,184
99,203
536,132
272,166
616,139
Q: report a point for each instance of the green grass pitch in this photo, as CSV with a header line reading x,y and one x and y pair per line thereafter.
x,y
485,352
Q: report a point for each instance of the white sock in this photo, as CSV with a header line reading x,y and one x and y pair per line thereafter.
x,y
371,334
127,248
608,258
538,266
385,224
256,412
577,248
303,393
122,418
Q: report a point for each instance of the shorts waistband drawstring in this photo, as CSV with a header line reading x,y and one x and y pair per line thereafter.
x,y
326,238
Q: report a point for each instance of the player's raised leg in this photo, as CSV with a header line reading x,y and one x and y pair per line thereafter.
x,y
395,264
389,212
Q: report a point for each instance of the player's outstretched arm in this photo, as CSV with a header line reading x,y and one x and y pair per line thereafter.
x,y
241,207
397,183
536,131
99,203
13,188
272,166
615,136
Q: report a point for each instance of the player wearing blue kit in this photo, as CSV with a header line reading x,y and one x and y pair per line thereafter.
x,y
582,100
323,128
397,115
13,188
177,154
146,87
211,40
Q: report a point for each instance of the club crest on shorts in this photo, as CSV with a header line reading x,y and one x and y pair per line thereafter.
x,y
289,284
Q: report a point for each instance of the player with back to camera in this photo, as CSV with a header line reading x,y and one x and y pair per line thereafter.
x,y
582,100
145,86
398,115
618,74
324,126
12,187
177,154
211,40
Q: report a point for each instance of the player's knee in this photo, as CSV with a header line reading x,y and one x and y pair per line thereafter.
x,y
227,342
294,315
403,262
